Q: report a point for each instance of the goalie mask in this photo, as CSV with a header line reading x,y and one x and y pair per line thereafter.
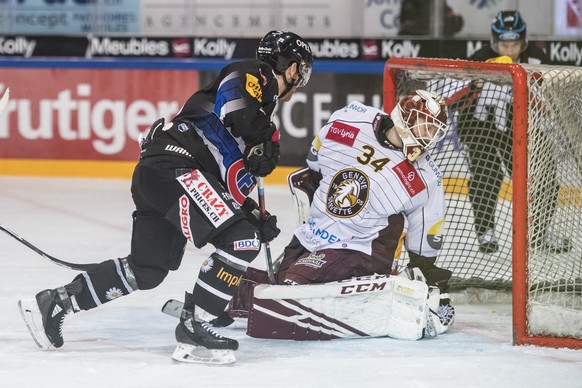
x,y
508,26
421,122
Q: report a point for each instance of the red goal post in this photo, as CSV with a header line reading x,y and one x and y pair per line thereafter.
x,y
539,128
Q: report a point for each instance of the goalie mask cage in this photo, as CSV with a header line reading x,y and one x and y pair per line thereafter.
x,y
512,172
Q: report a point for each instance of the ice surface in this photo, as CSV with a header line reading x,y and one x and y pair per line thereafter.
x,y
128,343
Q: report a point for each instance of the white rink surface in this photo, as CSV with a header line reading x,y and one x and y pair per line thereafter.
x,y
128,342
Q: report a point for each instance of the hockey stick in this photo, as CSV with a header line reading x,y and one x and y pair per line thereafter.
x,y
62,263
270,269
4,100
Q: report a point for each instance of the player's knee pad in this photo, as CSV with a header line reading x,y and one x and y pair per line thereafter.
x,y
109,280
147,277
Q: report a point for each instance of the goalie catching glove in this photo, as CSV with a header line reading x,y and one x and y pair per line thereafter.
x,y
268,229
260,160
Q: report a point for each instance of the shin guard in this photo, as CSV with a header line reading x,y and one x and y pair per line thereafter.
x,y
109,280
220,275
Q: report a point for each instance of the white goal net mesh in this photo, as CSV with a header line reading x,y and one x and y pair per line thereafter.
x,y
477,161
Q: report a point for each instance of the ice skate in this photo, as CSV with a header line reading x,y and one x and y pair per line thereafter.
x,y
199,343
44,316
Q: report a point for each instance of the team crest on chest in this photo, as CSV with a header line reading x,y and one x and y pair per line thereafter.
x,y
348,193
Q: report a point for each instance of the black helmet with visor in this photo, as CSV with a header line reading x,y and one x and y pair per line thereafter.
x,y
281,48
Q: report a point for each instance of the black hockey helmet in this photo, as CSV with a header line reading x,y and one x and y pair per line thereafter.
x,y
508,26
281,48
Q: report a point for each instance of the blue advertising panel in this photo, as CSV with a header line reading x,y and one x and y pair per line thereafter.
x,y
69,16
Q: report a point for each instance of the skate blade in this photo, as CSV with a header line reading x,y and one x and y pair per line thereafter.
x,y
201,355
33,319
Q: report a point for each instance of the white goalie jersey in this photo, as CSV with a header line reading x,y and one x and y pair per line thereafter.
x,y
364,183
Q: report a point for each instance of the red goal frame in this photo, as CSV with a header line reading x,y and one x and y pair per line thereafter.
x,y
520,217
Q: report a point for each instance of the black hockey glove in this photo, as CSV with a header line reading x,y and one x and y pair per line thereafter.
x,y
262,159
268,229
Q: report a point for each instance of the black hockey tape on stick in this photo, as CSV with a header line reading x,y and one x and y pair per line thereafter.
x,y
62,263
270,269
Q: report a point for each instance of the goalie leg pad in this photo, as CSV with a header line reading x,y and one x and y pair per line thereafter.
x,y
241,301
371,306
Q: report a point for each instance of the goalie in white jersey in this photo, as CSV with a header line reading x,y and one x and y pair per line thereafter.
x,y
379,187
375,188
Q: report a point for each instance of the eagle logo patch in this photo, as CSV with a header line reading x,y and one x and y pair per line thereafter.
x,y
348,193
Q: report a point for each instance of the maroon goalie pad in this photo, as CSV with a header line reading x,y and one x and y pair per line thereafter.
x,y
322,327
367,306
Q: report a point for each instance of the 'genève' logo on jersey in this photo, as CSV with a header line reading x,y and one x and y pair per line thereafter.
x,y
342,133
348,193
408,175
253,87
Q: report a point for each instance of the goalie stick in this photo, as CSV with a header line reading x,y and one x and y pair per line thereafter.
x,y
173,308
59,262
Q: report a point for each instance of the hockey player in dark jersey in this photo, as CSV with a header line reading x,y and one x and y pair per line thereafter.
x,y
192,184
488,135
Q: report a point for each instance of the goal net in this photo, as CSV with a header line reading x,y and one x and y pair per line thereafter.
x,y
512,171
